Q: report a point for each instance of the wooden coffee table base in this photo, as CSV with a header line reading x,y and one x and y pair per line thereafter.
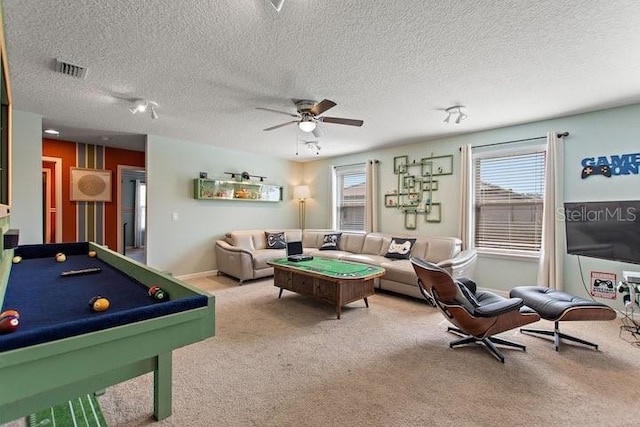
x,y
337,292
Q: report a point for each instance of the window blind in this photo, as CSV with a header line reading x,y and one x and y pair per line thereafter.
x,y
350,198
509,195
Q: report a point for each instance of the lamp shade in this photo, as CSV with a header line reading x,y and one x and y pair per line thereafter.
x,y
301,192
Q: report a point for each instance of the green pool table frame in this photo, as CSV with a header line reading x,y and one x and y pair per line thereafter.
x,y
43,375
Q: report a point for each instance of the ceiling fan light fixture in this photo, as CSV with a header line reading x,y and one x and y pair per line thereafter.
x,y
307,125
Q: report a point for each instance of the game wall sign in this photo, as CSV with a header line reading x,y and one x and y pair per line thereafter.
x,y
603,285
608,166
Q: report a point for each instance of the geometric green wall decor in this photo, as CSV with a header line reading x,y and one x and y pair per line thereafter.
x,y
414,194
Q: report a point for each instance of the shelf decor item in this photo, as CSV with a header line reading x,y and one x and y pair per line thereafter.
x,y
213,189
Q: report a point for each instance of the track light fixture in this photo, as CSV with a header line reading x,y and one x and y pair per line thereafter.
x,y
277,4
455,111
142,105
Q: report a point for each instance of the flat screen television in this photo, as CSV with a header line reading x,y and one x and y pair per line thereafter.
x,y
605,230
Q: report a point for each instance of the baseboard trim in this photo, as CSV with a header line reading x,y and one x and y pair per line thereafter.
x,y
196,275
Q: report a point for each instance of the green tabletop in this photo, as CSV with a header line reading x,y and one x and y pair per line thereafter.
x,y
331,267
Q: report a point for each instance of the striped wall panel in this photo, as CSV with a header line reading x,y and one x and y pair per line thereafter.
x,y
90,216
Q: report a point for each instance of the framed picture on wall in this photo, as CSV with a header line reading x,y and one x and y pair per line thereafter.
x,y
90,185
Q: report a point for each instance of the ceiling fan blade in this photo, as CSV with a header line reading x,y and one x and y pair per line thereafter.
x,y
278,111
321,107
281,125
341,121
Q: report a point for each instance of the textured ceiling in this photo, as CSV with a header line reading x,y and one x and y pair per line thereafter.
x,y
394,64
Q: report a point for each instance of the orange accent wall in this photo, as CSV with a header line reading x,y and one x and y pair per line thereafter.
x,y
66,150
112,158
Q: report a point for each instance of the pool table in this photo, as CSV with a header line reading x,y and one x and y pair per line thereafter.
x,y
62,349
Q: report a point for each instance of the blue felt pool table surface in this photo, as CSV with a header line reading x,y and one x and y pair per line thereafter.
x,y
62,349
52,306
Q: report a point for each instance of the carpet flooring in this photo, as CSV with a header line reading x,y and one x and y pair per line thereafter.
x,y
290,362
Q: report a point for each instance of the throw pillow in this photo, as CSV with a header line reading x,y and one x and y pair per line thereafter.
x,y
400,248
275,240
330,242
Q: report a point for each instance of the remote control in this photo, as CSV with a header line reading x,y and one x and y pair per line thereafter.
x,y
91,270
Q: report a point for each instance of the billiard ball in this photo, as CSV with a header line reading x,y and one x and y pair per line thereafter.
x,y
17,259
157,293
60,257
8,324
92,254
99,303
6,313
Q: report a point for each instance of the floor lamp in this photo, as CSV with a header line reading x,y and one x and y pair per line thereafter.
x,y
301,192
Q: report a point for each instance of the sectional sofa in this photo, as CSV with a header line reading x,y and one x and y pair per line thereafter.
x,y
244,254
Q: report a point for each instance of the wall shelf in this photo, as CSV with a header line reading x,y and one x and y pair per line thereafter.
x,y
212,189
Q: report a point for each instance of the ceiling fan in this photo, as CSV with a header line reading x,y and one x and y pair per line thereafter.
x,y
308,117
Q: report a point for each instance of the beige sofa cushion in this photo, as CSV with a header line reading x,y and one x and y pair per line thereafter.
x,y
351,242
256,239
372,244
313,238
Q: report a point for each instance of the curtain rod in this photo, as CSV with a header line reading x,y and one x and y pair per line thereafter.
x,y
559,135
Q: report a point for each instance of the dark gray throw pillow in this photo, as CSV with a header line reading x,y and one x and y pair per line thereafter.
x,y
330,242
400,248
275,240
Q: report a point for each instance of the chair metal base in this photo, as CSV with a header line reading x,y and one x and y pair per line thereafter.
x,y
488,342
557,336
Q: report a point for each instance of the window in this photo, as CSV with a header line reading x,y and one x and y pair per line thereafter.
x,y
349,201
508,200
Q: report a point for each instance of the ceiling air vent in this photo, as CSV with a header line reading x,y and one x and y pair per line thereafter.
x,y
71,69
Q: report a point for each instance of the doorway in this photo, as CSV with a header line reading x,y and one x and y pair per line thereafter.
x,y
132,212
51,200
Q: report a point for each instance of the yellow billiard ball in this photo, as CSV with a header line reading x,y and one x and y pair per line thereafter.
x,y
92,254
60,257
17,259
99,303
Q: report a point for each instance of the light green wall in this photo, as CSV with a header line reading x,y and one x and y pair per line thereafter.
x,y
186,245
612,131
26,175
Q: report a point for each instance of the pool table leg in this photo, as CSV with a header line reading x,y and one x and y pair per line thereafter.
x,y
162,387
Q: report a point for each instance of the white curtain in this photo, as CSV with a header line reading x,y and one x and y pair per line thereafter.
x,y
139,221
550,271
466,190
372,197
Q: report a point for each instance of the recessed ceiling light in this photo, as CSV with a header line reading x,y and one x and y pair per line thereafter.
x,y
104,138
52,132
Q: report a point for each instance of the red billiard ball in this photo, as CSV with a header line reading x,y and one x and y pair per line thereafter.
x,y
8,324
157,293
14,313
99,303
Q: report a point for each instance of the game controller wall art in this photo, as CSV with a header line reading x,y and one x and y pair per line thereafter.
x,y
608,166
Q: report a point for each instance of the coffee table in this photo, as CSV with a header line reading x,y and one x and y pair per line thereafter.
x,y
329,280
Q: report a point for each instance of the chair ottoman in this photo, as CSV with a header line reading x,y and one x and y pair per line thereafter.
x,y
559,306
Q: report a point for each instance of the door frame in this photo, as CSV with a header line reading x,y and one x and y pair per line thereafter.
x,y
121,169
58,189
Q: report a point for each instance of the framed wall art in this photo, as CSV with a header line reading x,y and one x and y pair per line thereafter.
x,y
90,185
